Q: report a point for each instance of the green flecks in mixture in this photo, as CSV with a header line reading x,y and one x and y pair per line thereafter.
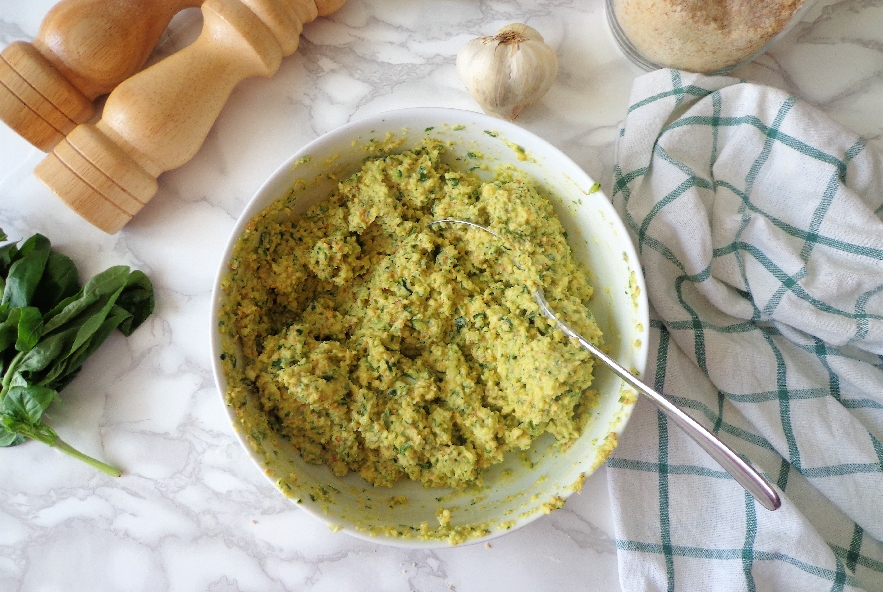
x,y
634,289
376,345
520,153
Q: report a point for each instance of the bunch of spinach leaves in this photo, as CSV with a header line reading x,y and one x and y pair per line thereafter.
x,y
49,325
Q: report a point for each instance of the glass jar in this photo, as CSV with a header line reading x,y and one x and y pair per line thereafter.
x,y
708,36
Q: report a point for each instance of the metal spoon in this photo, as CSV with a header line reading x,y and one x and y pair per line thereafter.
x,y
746,475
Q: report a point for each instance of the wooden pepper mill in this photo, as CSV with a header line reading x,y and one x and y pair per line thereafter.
x,y
158,119
83,50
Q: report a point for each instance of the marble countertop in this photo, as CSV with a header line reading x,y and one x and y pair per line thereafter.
x,y
191,511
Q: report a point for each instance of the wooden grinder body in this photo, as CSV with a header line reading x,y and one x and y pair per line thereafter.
x,y
158,119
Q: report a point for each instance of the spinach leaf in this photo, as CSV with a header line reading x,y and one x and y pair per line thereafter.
x,y
8,254
22,327
25,273
9,329
75,361
101,286
49,327
44,353
27,403
9,438
138,299
20,412
60,280
92,323
30,327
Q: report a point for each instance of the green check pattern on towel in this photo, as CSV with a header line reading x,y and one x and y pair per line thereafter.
x,y
759,224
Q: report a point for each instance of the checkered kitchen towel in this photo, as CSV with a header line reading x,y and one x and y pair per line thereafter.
x,y
759,224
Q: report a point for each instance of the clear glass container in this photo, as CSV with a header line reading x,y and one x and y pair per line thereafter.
x,y
708,36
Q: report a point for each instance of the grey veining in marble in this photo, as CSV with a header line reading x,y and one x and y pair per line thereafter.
x,y
192,512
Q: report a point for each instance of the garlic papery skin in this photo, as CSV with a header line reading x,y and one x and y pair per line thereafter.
x,y
509,71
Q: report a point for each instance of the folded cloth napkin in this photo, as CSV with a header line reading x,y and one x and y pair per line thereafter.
x,y
758,224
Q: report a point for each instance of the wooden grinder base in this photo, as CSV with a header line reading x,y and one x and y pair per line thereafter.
x,y
96,178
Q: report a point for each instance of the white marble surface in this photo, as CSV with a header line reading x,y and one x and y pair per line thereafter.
x,y
191,512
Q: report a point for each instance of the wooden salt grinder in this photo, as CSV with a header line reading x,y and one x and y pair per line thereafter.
x,y
83,50
157,120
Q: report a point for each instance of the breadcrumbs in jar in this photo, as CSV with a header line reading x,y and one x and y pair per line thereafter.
x,y
699,35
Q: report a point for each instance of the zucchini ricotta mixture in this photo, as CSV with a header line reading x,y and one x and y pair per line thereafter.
x,y
378,345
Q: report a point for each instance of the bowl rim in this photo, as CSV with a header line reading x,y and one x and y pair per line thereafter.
x,y
439,114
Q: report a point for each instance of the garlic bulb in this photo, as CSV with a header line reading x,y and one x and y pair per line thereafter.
x,y
508,71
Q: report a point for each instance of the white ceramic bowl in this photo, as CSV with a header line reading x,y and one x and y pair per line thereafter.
x,y
515,492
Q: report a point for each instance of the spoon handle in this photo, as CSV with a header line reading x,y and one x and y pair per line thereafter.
x,y
746,475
